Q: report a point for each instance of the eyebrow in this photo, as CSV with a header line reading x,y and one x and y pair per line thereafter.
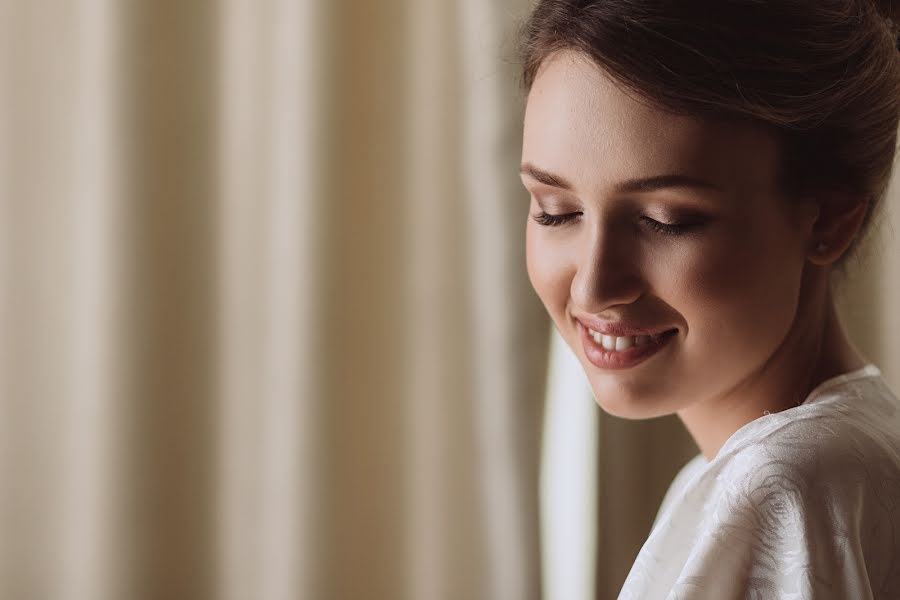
x,y
642,184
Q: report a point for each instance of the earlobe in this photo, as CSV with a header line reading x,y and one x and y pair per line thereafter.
x,y
821,255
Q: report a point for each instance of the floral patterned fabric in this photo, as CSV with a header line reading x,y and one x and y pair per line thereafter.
x,y
804,503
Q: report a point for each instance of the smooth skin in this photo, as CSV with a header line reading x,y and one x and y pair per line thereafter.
x,y
744,280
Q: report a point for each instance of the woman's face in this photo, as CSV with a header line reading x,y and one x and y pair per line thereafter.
x,y
715,254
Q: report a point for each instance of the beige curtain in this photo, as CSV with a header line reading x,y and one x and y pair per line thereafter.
x,y
265,326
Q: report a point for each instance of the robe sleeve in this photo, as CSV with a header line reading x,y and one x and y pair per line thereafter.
x,y
775,533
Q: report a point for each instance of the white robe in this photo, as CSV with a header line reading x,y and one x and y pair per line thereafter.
x,y
803,503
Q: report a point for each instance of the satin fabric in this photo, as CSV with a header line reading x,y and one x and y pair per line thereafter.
x,y
804,503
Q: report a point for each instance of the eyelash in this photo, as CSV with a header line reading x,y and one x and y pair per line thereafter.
x,y
549,220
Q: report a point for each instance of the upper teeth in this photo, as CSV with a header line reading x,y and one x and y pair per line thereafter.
x,y
611,342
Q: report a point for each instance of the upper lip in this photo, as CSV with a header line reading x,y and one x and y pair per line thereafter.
x,y
621,328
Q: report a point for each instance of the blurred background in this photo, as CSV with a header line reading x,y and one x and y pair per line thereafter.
x,y
265,326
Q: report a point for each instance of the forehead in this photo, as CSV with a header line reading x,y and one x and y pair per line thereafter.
x,y
580,124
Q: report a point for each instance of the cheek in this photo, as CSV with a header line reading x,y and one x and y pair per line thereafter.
x,y
548,270
740,299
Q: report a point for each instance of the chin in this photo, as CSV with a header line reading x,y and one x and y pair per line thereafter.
x,y
625,409
629,404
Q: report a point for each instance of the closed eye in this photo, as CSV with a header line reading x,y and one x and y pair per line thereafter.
x,y
549,220
672,228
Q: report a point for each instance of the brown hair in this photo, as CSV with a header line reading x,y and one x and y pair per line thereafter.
x,y
824,75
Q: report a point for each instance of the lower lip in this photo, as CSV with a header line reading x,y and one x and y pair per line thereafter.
x,y
624,359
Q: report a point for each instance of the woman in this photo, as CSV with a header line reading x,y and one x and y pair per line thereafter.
x,y
698,171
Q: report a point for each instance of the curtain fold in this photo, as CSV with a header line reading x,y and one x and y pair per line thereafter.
x,y
59,359
266,328
508,415
270,190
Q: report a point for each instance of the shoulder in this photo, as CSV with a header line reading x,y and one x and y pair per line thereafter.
x,y
824,458
801,503
824,492
843,428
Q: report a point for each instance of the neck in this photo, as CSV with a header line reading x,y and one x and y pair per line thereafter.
x,y
815,349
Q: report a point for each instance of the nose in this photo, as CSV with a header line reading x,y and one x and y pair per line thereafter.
x,y
608,271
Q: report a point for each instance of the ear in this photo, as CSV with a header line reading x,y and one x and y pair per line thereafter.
x,y
837,224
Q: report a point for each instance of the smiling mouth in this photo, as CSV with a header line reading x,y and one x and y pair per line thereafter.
x,y
614,343
623,352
